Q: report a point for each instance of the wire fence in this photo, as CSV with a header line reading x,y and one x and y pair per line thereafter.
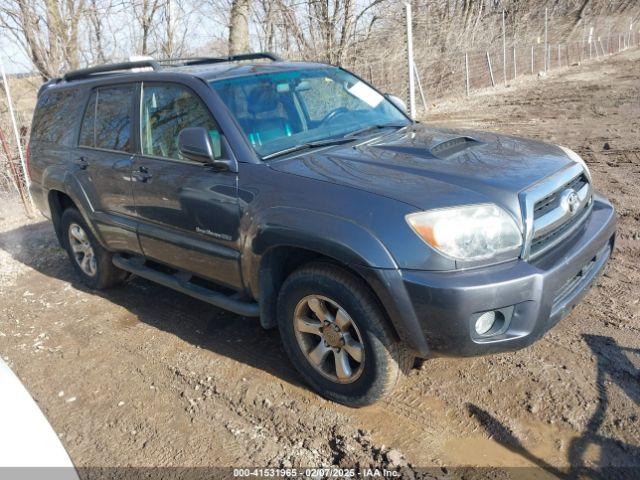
x,y
13,181
462,73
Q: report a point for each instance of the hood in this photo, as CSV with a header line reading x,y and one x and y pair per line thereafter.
x,y
429,167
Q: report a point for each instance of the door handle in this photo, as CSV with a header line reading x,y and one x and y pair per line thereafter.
x,y
82,163
142,175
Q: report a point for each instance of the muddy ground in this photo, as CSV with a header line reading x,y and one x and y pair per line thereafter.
x,y
144,376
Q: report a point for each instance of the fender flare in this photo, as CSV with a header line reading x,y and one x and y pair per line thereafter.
x,y
57,177
330,235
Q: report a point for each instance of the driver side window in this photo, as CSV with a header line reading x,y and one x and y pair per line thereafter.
x,y
165,111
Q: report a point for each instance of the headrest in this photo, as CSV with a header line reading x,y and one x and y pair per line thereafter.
x,y
262,99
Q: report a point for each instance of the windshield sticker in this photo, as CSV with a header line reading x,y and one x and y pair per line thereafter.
x,y
365,93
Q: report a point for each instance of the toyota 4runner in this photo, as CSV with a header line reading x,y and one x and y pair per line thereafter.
x,y
297,193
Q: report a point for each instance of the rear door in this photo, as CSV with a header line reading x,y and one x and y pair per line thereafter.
x,y
187,211
104,158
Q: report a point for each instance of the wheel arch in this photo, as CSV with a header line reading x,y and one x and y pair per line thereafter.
x,y
63,192
58,202
280,261
291,239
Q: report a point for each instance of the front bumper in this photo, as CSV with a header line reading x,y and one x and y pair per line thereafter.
x,y
535,296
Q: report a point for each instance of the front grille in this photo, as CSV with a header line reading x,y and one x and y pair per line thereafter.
x,y
552,200
555,209
540,244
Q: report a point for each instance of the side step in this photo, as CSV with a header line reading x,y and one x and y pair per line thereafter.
x,y
246,309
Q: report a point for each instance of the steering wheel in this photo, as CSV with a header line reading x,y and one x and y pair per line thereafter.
x,y
334,113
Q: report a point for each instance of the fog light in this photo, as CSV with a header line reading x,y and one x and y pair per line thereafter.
x,y
485,322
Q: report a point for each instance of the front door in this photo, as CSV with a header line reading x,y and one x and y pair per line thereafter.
x,y
187,211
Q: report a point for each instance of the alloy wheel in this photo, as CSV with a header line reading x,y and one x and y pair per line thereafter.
x,y
329,338
82,250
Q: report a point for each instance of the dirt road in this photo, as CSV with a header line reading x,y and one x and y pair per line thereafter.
x,y
143,376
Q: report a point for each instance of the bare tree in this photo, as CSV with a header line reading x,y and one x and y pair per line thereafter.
x,y
318,29
96,38
239,26
146,12
47,30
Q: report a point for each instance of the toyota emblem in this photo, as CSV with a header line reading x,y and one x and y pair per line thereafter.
x,y
570,201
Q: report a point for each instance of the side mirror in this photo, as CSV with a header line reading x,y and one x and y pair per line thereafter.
x,y
397,101
196,144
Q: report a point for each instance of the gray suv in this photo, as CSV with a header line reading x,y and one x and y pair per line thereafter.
x,y
297,193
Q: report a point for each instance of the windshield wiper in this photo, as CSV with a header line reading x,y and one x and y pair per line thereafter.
x,y
371,128
305,146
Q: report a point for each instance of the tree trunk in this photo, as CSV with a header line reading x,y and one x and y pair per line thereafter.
x,y
239,27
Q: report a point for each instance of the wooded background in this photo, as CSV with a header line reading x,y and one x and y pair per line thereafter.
x,y
459,45
66,34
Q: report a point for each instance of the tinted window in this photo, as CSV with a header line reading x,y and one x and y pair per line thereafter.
x,y
54,118
107,119
280,110
166,110
87,130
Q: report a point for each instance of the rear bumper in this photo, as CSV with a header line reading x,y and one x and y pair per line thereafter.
x,y
439,316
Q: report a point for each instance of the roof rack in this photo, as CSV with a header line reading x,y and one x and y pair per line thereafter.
x,y
159,64
235,58
177,61
110,67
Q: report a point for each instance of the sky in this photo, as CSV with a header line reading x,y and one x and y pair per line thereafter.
x,y
204,26
12,57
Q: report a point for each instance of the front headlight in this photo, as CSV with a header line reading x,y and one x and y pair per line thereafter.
x,y
576,158
473,232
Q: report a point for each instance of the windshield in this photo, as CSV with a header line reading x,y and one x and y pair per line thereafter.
x,y
278,111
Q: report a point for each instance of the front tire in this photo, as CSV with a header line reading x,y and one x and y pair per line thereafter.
x,y
92,262
337,336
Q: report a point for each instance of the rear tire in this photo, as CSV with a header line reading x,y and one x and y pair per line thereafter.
x,y
337,336
92,262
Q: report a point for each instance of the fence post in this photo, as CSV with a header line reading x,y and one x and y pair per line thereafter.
x,y
504,50
546,40
493,81
412,87
533,48
23,164
515,64
466,71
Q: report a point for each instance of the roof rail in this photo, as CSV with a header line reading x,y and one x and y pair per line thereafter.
x,y
110,67
158,64
177,61
235,58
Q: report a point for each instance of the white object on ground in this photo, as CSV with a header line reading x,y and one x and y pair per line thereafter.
x,y
26,437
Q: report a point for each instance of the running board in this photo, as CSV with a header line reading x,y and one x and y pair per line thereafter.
x,y
246,309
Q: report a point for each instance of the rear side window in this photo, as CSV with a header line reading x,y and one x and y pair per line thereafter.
x,y
54,118
107,119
